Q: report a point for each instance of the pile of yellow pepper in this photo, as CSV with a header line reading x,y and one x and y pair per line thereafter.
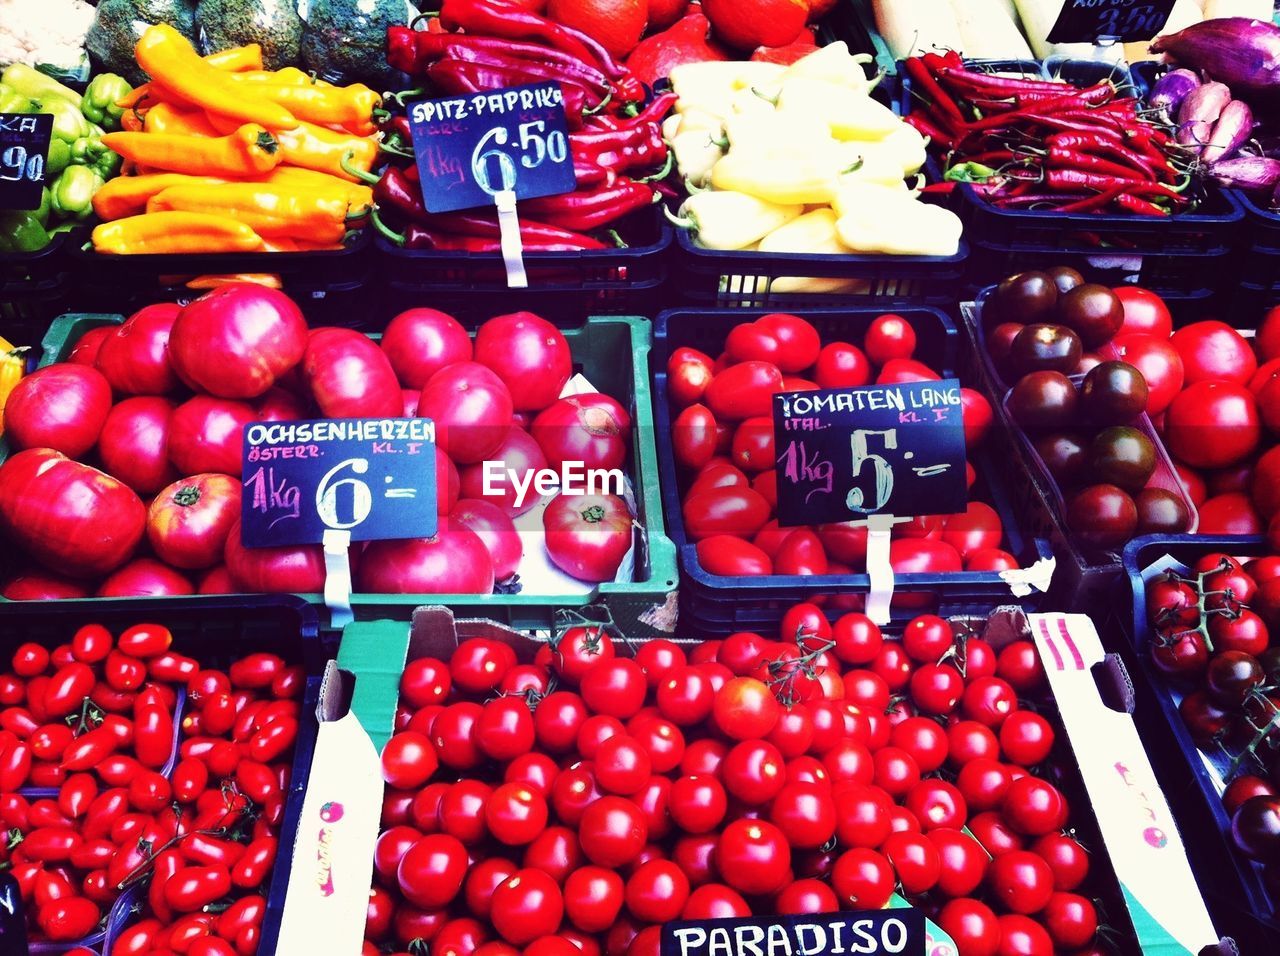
x,y
223,156
800,159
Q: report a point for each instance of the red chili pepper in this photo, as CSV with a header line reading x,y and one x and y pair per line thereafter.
x,y
591,209
536,236
926,86
1135,204
992,84
927,128
624,150
1059,157
562,68
1093,203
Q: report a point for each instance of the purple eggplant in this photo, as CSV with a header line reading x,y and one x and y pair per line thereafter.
x,y
1171,89
1250,173
1238,51
1199,111
1229,133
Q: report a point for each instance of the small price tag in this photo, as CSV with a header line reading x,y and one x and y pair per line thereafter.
x,y
24,144
472,148
13,921
845,454
888,932
1085,21
372,477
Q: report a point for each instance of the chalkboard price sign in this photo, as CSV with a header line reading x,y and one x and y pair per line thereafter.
x,y
847,453
24,144
1084,21
471,148
374,477
888,932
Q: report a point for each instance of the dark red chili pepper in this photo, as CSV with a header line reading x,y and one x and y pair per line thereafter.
x,y
1060,157
537,236
1139,206
623,150
993,85
591,209
418,236
927,128
926,86
458,77
559,66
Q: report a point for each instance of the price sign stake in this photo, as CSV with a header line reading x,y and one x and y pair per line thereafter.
x,y
1086,21
494,148
24,144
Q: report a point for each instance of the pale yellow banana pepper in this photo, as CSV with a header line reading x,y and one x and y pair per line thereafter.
x,y
13,362
777,132
832,63
848,114
813,233
879,220
733,220
778,178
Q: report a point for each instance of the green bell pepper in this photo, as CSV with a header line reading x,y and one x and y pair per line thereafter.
x,y
69,123
11,101
59,158
34,84
100,98
73,191
21,231
107,164
42,211
86,150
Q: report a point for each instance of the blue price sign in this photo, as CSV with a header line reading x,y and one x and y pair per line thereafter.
x,y
847,453
471,148
24,144
374,477
889,932
1084,21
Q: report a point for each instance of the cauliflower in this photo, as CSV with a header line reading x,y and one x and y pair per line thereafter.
x,y
44,32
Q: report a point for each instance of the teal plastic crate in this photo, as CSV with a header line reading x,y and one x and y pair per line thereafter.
x,y
611,351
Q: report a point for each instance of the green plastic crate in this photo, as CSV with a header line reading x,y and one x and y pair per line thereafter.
x,y
613,352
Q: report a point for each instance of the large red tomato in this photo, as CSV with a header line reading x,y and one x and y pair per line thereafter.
x,y
455,561
737,510
529,354
518,453
1232,513
1268,337
235,341
59,406
350,377
923,556
145,577
1159,363
206,435
1144,312
39,586
420,342
729,555
1214,351
1212,425
74,519
977,528
297,568
496,530
216,581
471,408
85,351
279,405
587,536
134,444
134,355
188,522
592,429
1265,485
743,391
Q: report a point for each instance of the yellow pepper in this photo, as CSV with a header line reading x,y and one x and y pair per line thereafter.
x,y
868,163
733,220
879,220
696,153
175,232
778,133
813,233
357,194
309,146
832,63
848,114
272,211
13,362
128,195
166,118
350,107
783,179
249,151
172,61
270,280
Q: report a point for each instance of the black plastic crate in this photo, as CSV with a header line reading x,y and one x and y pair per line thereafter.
x,y
721,605
1232,886
622,281
29,306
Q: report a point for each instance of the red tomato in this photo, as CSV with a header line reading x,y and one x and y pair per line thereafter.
x,y
990,559
350,377
615,688
431,871
587,536
298,568
278,405
798,341
85,351
923,556
38,586
593,897
68,516
420,342
743,391
1212,425
715,901
455,561
1160,364
972,925
915,860
688,375
591,431
745,708
60,406
133,355
1232,513
528,905
898,371
1213,351
977,416
518,452
1021,880
145,577
69,918
206,435
189,521
235,341
752,445
889,337
134,444
733,510
495,528
753,857
800,553
409,760
612,831
977,529
529,354
471,407
863,879
841,365
693,436
1144,312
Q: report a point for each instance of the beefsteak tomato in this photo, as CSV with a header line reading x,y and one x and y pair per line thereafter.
x,y
145,577
134,444
206,435
529,354
420,342
587,536
188,522
60,406
297,568
471,408
591,428
350,377
134,355
455,561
